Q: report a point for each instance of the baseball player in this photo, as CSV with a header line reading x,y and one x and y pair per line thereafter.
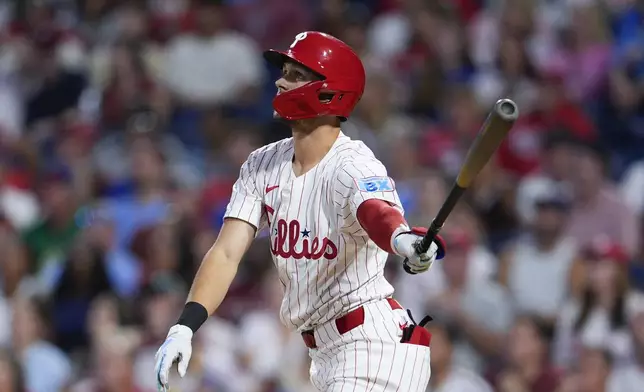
x,y
334,216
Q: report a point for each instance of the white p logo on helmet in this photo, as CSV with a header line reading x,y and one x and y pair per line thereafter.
x,y
298,38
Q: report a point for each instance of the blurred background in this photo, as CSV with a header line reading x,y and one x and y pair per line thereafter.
x,y
124,123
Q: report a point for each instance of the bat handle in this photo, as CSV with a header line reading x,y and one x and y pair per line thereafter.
x,y
423,245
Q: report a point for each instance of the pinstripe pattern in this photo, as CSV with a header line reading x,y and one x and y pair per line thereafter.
x,y
327,263
370,357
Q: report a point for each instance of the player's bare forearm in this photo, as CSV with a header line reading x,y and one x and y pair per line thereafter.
x,y
217,271
213,279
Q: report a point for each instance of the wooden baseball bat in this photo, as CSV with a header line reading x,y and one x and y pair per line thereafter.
x,y
497,125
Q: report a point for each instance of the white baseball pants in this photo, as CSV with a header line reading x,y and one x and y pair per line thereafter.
x,y
370,357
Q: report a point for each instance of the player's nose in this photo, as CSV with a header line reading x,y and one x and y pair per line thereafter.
x,y
281,84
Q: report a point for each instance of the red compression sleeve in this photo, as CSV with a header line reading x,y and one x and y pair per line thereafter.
x,y
379,219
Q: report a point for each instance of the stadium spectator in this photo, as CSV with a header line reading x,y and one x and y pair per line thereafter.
x,y
528,368
11,378
446,375
592,375
629,378
82,280
543,257
598,316
598,209
46,367
466,300
227,60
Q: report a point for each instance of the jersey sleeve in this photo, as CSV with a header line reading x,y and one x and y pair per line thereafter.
x,y
246,201
362,180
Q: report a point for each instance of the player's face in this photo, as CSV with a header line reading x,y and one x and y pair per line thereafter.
x,y
293,76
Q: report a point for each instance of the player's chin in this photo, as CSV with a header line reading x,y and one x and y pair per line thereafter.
x,y
281,119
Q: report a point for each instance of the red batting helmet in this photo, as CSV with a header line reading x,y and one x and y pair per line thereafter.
x,y
343,77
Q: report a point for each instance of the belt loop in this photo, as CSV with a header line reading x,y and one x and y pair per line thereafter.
x,y
394,304
309,339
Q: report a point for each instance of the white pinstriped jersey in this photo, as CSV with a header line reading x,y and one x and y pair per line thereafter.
x,y
325,260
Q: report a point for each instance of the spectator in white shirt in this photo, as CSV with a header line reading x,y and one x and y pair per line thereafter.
x,y
213,65
446,376
555,168
632,185
631,378
47,368
599,317
543,257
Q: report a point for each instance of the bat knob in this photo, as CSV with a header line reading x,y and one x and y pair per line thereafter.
x,y
408,270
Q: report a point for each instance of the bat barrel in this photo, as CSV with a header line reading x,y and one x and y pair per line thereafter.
x,y
499,122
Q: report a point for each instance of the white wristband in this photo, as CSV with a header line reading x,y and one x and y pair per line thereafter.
x,y
392,242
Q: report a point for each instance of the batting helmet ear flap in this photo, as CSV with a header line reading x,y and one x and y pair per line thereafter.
x,y
313,100
342,72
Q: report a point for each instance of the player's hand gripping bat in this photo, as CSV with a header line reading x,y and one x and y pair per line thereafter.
x,y
492,132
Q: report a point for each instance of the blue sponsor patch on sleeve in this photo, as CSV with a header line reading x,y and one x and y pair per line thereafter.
x,y
375,184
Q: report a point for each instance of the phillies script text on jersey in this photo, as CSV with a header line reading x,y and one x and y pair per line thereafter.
x,y
287,237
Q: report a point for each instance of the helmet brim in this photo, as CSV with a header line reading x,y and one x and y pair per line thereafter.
x,y
277,58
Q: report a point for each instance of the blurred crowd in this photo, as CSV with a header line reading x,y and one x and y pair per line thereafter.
x,y
123,124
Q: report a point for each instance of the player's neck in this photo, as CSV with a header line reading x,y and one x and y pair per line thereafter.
x,y
311,147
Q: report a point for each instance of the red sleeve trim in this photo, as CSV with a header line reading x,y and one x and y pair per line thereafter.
x,y
380,220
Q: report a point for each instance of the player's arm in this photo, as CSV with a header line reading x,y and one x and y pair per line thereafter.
x,y
243,218
217,271
374,203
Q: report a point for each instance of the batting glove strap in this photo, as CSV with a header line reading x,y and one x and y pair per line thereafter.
x,y
411,264
438,240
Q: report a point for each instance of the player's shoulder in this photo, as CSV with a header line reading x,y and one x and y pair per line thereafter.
x,y
353,149
261,156
355,153
276,147
357,163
